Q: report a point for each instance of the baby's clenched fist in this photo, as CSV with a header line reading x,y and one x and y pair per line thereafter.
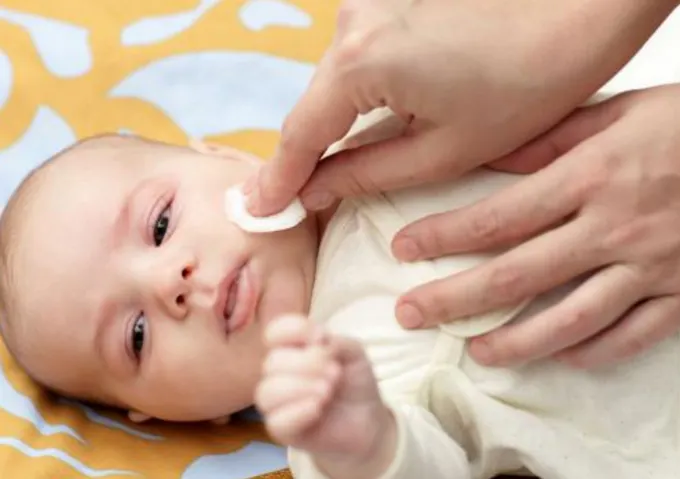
x,y
318,393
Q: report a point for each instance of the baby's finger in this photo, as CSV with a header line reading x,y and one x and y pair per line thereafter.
x,y
287,424
278,391
315,361
323,115
288,330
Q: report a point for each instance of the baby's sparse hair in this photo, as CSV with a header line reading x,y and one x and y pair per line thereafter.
x,y
10,237
10,226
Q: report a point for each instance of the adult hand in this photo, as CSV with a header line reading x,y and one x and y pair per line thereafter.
x,y
476,80
613,198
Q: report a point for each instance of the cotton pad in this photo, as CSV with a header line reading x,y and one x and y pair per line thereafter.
x,y
235,207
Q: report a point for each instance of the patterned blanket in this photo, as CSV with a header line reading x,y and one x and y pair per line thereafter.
x,y
223,71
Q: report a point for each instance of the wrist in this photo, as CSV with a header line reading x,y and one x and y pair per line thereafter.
x,y
572,48
372,459
593,40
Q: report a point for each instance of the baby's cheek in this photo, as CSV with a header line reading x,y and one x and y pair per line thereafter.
x,y
187,384
178,358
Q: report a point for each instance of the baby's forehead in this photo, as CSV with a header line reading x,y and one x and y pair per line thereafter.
x,y
63,219
91,170
100,154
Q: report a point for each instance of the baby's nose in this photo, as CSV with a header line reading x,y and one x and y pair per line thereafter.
x,y
173,293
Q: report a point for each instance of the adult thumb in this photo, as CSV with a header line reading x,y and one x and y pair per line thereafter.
x,y
420,158
584,123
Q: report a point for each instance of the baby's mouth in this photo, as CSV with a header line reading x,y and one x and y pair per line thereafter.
x,y
238,295
232,297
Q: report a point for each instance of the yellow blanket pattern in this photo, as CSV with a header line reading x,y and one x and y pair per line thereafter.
x,y
223,71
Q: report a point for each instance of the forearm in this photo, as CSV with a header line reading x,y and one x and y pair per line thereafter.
x,y
418,447
581,44
602,35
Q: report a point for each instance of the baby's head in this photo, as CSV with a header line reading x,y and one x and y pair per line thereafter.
x,y
122,281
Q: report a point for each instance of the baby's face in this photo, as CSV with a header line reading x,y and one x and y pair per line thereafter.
x,y
138,291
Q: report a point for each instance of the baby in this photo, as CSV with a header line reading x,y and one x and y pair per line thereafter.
x,y
123,282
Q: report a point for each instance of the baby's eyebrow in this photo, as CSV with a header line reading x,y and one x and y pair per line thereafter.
x,y
121,225
102,323
132,209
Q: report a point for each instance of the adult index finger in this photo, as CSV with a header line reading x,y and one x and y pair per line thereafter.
x,y
323,115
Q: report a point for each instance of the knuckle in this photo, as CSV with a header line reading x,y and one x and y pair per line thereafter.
x,y
625,236
346,14
505,282
349,52
354,46
602,163
573,324
485,226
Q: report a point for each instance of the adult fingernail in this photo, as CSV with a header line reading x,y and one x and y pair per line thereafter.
x,y
317,200
409,316
406,249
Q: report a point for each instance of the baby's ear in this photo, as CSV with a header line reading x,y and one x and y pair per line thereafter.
x,y
223,151
138,417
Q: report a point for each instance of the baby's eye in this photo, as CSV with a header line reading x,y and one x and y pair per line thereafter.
x,y
160,227
137,336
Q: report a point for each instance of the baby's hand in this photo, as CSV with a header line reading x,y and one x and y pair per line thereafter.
x,y
318,393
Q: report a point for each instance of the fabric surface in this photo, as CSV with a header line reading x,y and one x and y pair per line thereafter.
x,y
222,71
